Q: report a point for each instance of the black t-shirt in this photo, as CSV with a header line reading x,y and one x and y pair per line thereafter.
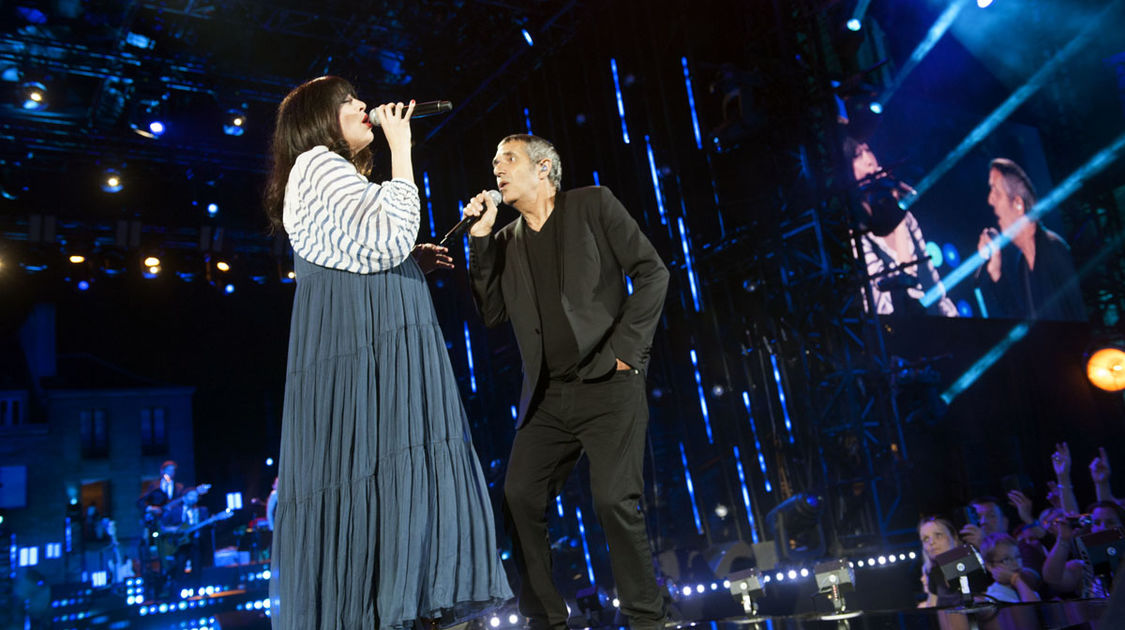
x,y
560,348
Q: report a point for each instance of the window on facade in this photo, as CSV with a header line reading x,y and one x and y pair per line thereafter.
x,y
11,411
154,433
94,428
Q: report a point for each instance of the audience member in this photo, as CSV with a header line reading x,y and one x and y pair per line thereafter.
x,y
1011,582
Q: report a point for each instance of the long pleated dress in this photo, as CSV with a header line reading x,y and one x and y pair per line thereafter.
x,y
383,514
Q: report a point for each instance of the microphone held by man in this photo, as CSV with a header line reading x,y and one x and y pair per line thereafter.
x,y
476,210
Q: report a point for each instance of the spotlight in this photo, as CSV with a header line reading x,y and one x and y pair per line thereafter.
x,y
962,565
984,4
854,25
212,209
149,122
1106,369
111,181
235,122
33,96
833,578
795,523
721,510
876,107
747,587
151,261
77,259
1103,551
527,37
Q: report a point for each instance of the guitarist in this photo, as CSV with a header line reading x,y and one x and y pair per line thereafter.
x,y
176,548
160,492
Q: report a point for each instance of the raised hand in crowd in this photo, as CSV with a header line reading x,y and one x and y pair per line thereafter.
x,y
1099,474
1022,504
1060,462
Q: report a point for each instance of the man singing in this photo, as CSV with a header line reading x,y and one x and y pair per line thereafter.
x,y
558,273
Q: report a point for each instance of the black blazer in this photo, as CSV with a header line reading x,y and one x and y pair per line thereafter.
x,y
599,244
155,496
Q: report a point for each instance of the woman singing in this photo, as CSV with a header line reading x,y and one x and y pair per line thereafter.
x,y
383,516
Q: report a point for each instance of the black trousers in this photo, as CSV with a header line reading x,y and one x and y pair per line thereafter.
x,y
607,420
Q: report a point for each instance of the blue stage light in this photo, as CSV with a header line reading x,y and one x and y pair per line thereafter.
x,y
527,37
984,4
228,289
781,396
585,547
702,398
934,252
964,309
83,285
691,490
655,181
212,209
156,128
620,102
952,256
854,25
527,119
745,495
689,264
429,204
757,443
691,104
469,358
876,107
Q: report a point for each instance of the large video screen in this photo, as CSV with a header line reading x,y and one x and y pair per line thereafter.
x,y
951,173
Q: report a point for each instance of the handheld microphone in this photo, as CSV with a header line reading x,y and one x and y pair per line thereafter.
x,y
421,110
465,222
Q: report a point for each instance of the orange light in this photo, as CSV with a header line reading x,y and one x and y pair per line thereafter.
x,y
222,266
1106,369
152,261
77,259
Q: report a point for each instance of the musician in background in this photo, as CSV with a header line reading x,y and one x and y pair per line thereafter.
x,y
182,541
160,492
271,505
894,250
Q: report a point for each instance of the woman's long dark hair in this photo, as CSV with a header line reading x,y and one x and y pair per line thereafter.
x,y
308,116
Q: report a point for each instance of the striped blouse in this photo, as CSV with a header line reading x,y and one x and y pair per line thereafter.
x,y
336,218
881,261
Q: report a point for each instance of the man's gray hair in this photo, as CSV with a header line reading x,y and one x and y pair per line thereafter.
x,y
538,150
1016,181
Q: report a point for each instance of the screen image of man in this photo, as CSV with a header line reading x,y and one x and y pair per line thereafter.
x,y
1034,279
